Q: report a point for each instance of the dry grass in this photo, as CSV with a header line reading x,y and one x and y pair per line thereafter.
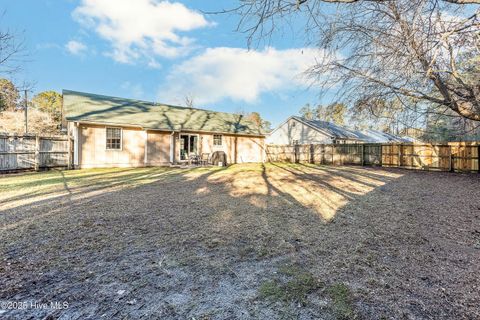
x,y
251,241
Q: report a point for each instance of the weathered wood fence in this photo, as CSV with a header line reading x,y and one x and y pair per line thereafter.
x,y
34,152
453,156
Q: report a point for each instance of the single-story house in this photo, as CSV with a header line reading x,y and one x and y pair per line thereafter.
x,y
298,130
117,132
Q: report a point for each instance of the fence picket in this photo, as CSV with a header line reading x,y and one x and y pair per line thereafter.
x,y
33,152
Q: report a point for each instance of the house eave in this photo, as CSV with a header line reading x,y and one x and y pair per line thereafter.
x,y
163,130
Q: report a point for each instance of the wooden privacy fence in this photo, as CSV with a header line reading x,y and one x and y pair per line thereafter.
x,y
453,156
34,152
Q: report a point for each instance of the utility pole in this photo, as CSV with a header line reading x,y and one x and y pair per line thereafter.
x,y
26,113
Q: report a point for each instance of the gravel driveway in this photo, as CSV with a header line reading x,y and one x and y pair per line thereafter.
x,y
273,241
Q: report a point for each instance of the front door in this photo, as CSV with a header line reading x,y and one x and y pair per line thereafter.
x,y
188,146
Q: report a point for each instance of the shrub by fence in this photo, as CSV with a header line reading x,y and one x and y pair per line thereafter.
x,y
34,152
454,156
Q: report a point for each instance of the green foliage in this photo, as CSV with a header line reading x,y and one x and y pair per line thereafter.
x,y
342,303
450,127
439,131
271,290
295,289
50,102
9,95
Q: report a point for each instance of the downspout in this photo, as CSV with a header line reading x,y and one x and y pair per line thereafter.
x,y
76,144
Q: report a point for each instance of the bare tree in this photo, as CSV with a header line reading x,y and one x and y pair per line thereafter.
x,y
11,50
189,101
426,50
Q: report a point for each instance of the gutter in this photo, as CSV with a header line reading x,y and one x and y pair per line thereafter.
x,y
164,130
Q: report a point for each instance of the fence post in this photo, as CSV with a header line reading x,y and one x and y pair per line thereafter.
x,y
334,149
381,155
322,160
400,154
363,154
37,153
69,154
295,149
478,158
312,154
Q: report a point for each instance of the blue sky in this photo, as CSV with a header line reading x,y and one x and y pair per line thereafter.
x,y
160,51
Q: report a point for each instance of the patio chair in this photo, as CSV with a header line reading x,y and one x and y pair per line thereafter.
x,y
194,159
204,159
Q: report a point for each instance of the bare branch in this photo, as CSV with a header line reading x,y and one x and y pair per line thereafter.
x,y
422,49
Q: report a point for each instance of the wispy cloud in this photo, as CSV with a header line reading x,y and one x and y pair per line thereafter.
x,y
48,45
238,74
142,29
76,47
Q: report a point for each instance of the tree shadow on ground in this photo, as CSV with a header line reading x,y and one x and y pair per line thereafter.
x,y
46,190
201,243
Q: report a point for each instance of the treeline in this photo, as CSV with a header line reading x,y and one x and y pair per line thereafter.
x,y
415,119
44,111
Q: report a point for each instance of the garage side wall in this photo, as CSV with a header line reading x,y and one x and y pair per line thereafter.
x,y
294,130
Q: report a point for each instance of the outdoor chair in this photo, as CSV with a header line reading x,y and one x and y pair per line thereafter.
x,y
194,159
204,159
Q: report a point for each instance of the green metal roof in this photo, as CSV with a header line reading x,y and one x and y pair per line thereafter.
x,y
93,108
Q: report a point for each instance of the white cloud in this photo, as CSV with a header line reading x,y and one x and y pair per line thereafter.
x,y
238,74
75,47
154,64
141,28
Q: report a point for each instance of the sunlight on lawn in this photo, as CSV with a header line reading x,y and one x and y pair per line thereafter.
x,y
320,188
21,189
323,189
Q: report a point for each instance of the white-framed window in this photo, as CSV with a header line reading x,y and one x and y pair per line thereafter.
x,y
217,139
114,138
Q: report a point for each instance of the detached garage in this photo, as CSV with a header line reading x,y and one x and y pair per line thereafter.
x,y
118,132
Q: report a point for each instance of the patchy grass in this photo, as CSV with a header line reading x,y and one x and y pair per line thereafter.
x,y
342,302
295,288
294,284
253,241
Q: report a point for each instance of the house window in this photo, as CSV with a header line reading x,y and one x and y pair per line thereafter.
x,y
217,139
114,138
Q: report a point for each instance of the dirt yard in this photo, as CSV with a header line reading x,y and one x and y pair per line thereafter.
x,y
271,241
